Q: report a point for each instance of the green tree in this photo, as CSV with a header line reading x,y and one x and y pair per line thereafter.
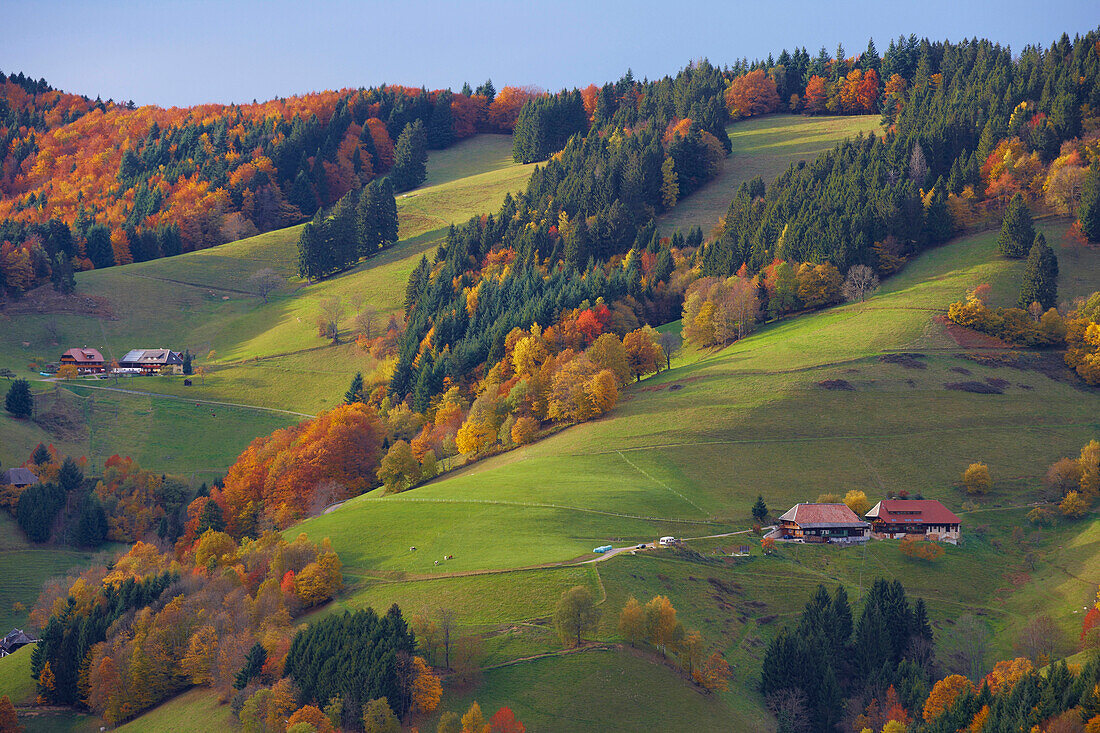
x,y
1040,276
355,391
211,518
379,718
1088,211
575,614
253,666
449,722
91,527
670,184
1017,230
760,510
188,368
19,401
40,455
70,476
410,157
399,469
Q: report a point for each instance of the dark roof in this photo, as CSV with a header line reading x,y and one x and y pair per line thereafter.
x,y
84,356
913,511
18,476
147,357
16,638
809,516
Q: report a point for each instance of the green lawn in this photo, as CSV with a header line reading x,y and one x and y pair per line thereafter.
x,y
195,710
15,676
765,147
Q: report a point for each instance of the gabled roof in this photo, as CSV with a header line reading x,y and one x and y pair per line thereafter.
x,y
913,511
152,356
18,476
16,638
822,515
84,355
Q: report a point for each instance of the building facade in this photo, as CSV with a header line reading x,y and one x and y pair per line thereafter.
x,y
87,361
820,523
923,518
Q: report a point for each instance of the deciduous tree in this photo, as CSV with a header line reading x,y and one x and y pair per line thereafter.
x,y
575,614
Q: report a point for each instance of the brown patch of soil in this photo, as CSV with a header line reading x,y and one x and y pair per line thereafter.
x,y
841,384
908,361
974,387
969,339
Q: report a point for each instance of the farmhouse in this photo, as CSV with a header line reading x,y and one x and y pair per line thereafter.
x,y
151,361
822,523
899,518
87,361
18,477
14,641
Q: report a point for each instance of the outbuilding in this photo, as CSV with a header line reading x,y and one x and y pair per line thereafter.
x,y
18,477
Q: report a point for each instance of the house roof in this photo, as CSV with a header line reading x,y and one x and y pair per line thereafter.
x,y
822,515
18,476
84,355
152,356
14,638
913,511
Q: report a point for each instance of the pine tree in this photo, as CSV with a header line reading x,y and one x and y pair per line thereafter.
x,y
253,666
188,369
760,509
418,278
410,157
41,455
211,518
70,476
91,528
355,391
387,220
1017,231
1040,276
1088,212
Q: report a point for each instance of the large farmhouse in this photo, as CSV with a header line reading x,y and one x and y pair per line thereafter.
x,y
822,523
87,361
899,518
151,361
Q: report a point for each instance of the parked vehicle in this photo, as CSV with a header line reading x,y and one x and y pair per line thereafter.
x,y
666,541
602,549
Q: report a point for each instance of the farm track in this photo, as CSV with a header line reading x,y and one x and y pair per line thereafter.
x,y
195,400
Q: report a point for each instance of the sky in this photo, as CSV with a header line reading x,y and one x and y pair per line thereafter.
x,y
179,53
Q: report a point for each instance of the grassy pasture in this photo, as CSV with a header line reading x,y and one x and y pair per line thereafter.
x,y
15,676
765,147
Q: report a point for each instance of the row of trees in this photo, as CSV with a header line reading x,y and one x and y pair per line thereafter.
x,y
361,225
93,184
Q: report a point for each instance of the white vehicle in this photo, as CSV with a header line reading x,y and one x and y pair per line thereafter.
x,y
666,541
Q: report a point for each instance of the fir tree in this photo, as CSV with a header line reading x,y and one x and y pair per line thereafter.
x,y
1088,212
410,157
1017,231
41,455
760,510
355,391
211,518
91,527
187,366
1040,276
70,476
253,666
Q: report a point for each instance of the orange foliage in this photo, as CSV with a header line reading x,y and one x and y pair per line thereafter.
x,y
816,95
944,693
506,106
302,468
1006,673
752,94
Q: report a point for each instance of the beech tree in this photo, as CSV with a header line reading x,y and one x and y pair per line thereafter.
x,y
861,282
575,614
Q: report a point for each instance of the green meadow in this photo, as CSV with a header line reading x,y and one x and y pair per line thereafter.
x,y
684,453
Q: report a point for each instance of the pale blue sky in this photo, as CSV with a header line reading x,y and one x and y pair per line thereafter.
x,y
177,52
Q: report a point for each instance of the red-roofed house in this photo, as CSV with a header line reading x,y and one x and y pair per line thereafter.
x,y
87,361
898,518
822,523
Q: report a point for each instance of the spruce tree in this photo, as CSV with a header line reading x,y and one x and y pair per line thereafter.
x,y
760,510
187,359
70,476
1040,276
1017,231
418,278
387,220
355,391
410,157
1088,212
211,518
91,527
41,455
253,666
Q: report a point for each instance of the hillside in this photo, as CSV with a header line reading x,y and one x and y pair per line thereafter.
x,y
200,301
752,419
684,453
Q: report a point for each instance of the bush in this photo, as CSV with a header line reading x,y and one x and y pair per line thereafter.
x,y
976,479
